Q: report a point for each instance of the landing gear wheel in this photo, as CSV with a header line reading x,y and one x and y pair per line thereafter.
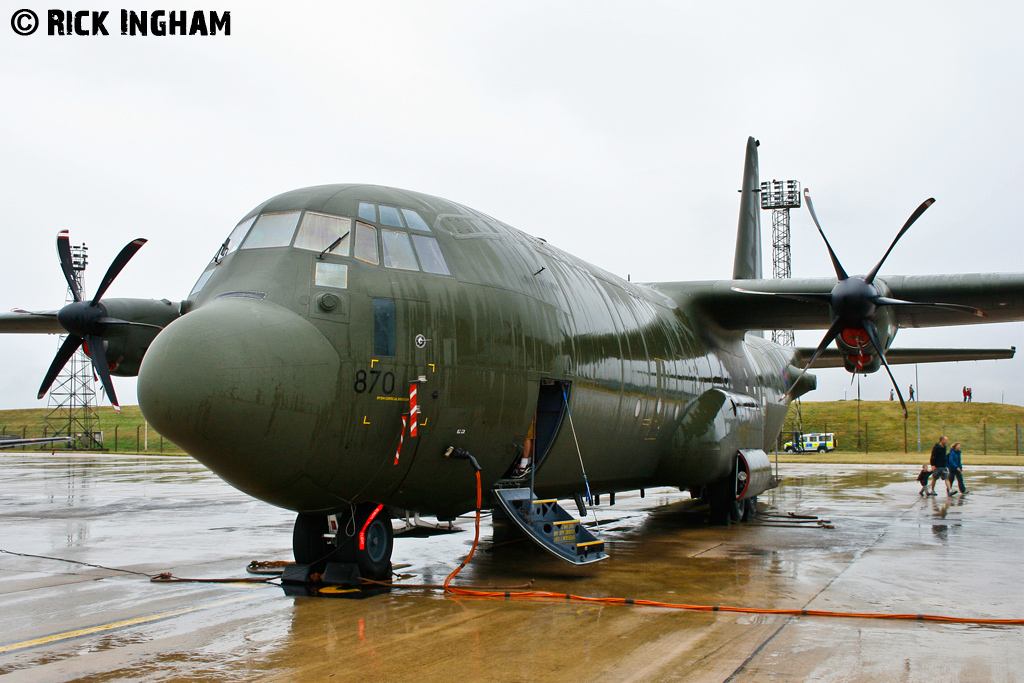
x,y
308,543
373,554
724,508
749,509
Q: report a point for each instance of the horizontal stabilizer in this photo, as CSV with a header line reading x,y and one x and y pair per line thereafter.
x,y
832,358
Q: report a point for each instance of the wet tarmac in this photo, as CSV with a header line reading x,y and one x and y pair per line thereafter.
x,y
890,551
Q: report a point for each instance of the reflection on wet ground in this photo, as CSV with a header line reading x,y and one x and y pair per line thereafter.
x,y
889,551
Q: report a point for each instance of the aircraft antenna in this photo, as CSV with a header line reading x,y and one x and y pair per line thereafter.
x,y
72,399
780,196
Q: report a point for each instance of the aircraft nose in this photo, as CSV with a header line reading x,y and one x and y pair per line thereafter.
x,y
244,386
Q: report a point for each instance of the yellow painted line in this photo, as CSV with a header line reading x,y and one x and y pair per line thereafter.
x,y
433,368
550,500
424,423
566,521
580,545
365,421
373,361
67,635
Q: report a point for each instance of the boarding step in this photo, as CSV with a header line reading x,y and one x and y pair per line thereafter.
x,y
550,526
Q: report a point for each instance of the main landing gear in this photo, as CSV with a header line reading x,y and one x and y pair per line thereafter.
x,y
363,536
724,508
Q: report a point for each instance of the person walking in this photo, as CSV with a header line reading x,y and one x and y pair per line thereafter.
x,y
911,392
965,393
956,468
939,464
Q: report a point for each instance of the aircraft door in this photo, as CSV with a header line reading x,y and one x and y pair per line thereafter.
x,y
545,424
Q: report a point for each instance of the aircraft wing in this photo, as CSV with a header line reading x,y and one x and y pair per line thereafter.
x,y
832,358
12,443
765,304
43,322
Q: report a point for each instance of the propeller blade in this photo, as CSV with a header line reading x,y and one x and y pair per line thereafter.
x,y
119,262
886,301
840,273
64,253
906,226
94,346
869,327
64,353
831,334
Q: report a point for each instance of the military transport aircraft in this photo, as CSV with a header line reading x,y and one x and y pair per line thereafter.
x,y
345,339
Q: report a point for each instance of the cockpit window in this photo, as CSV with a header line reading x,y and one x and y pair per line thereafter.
x,y
366,243
368,211
272,230
398,250
415,221
201,282
319,231
331,275
389,216
234,239
430,255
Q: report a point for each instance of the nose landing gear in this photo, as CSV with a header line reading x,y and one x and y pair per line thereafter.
x,y
363,536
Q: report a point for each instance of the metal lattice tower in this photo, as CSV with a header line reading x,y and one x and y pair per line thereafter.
x,y
781,196
72,397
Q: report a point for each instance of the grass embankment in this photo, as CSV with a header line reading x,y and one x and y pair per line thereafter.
x,y
990,432
122,433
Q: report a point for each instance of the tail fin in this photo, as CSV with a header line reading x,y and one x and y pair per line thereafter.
x,y
747,264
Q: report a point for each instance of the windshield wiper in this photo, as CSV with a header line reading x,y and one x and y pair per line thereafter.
x,y
334,245
222,251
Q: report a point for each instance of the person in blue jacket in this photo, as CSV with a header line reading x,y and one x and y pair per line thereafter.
x,y
956,469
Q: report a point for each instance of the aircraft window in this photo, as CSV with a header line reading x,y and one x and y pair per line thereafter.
x,y
430,255
415,221
234,239
368,211
272,230
366,243
389,216
200,283
398,250
318,231
384,327
331,275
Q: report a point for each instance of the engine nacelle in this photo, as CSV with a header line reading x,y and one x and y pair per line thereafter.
x,y
127,344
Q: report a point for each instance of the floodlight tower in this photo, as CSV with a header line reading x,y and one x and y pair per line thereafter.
x,y
781,196
72,397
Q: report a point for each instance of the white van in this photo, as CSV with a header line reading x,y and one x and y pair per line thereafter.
x,y
822,442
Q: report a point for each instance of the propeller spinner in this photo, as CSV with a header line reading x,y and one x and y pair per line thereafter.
x,y
86,321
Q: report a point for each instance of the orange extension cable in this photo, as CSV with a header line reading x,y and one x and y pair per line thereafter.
x,y
454,590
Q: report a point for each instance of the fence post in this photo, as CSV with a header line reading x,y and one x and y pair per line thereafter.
x,y
137,428
866,448
161,444
1016,438
24,432
115,438
904,436
984,436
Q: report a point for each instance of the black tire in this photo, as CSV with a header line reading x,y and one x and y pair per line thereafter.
x,y
308,543
822,449
724,509
374,557
789,449
749,509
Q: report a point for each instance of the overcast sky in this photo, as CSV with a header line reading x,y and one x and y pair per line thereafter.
x,y
614,130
